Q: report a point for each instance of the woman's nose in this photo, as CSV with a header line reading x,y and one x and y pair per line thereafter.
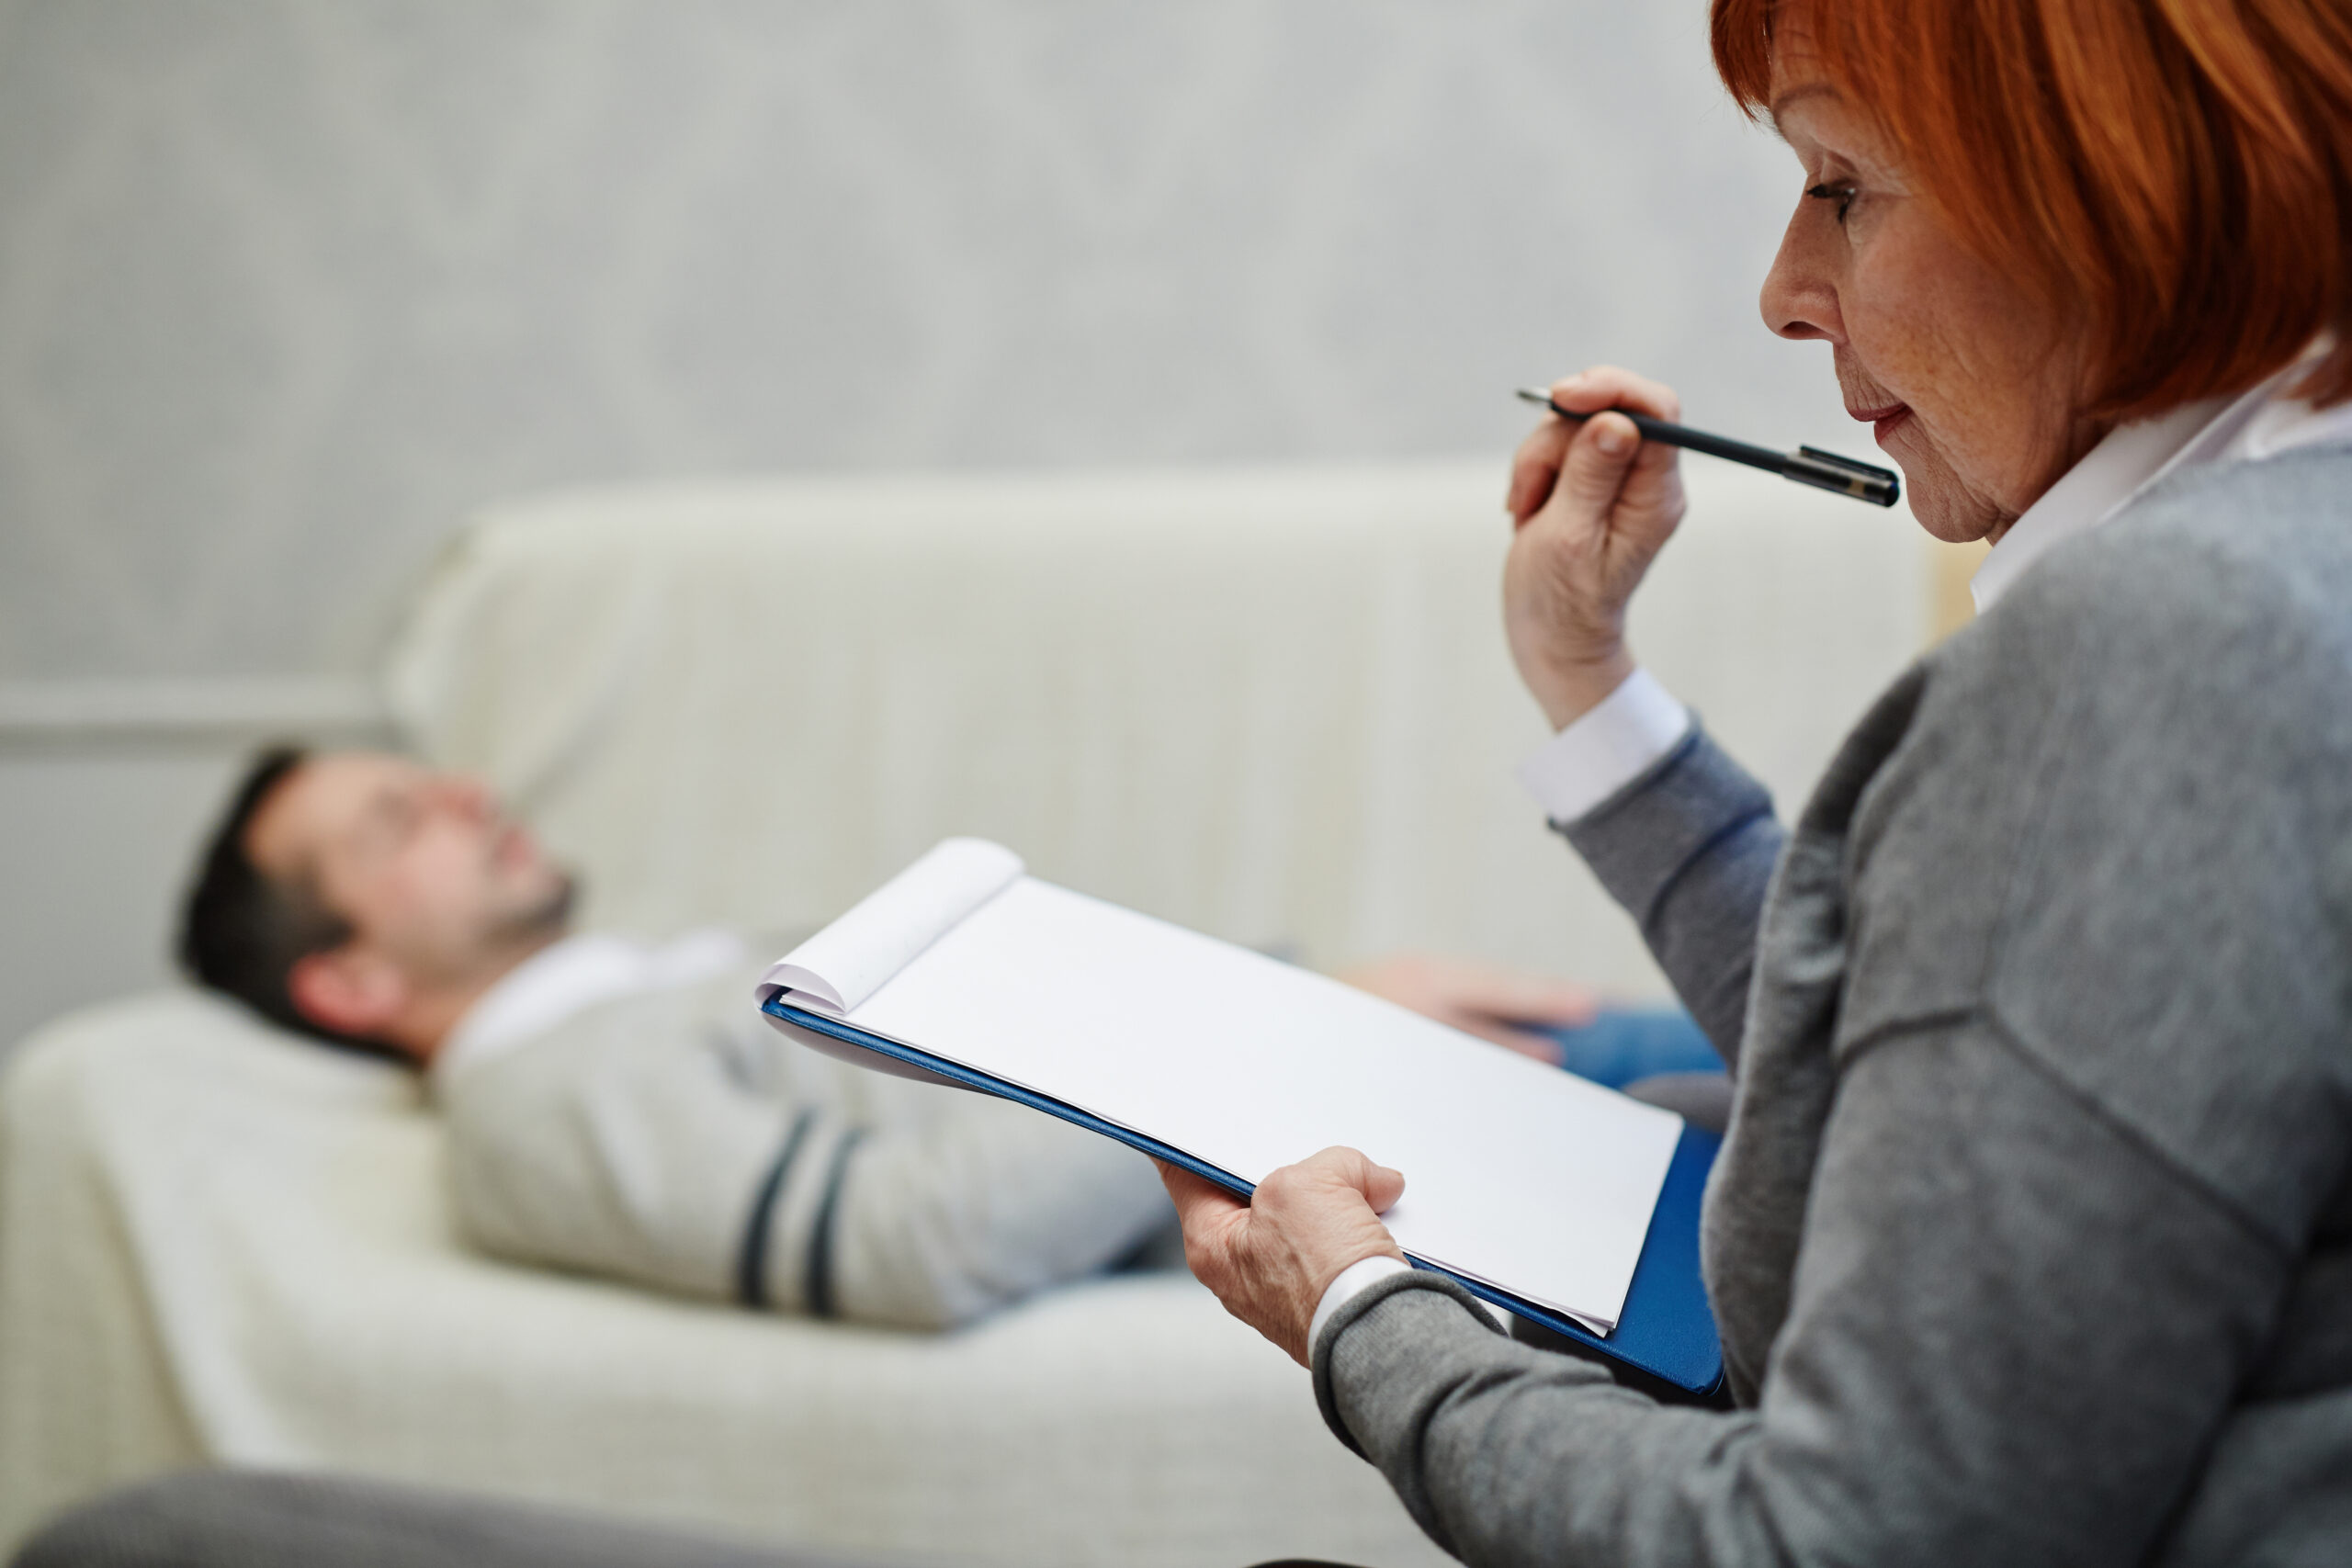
x,y
1799,300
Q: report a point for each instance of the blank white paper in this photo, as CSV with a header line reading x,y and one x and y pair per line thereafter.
x,y
1517,1174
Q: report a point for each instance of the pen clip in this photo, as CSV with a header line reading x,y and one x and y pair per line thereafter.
x,y
1827,470
1867,471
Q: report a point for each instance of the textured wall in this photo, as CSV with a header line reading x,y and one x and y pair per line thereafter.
x,y
285,288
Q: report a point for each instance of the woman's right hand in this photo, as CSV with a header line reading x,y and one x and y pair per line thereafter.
x,y
1592,505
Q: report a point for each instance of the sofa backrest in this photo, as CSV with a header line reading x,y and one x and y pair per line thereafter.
x,y
1273,705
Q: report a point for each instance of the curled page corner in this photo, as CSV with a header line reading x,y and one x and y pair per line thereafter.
x,y
836,970
808,987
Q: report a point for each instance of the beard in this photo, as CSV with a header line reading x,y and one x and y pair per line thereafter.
x,y
474,951
535,921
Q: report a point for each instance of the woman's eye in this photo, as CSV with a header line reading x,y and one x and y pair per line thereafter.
x,y
1841,193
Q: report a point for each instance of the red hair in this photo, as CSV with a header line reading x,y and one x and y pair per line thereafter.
x,y
2178,174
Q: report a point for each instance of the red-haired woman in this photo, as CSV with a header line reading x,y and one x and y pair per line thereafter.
x,y
2031,1242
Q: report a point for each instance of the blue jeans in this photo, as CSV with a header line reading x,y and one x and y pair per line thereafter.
x,y
1624,1045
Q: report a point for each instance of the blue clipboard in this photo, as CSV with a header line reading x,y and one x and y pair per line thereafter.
x,y
1666,1330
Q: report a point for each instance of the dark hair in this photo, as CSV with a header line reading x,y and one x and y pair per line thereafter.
x,y
242,931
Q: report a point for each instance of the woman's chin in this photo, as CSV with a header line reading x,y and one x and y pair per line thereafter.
x,y
1946,509
1952,526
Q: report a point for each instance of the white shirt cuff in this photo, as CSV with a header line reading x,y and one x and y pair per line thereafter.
x,y
1605,749
1344,1289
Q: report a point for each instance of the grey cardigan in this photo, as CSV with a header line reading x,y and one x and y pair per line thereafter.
x,y
2031,1242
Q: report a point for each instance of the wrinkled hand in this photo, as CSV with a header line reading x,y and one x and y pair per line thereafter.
x,y
1478,999
1271,1258
1592,503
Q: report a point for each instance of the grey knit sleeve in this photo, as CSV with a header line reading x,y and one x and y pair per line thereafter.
x,y
1687,849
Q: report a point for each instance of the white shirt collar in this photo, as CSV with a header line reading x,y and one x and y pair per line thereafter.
x,y
2261,423
577,973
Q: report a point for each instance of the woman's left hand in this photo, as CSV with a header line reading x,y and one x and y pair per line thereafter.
x,y
1270,1259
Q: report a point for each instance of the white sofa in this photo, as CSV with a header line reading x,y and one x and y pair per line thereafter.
x,y
1272,704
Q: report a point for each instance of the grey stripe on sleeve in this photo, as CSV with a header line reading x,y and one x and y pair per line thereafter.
x,y
751,1263
819,1294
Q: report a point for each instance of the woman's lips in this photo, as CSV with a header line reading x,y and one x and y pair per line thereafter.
x,y
1883,420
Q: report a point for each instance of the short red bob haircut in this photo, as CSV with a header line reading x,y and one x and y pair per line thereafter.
x,y
2175,173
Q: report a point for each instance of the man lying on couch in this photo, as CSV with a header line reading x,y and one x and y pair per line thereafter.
x,y
621,1109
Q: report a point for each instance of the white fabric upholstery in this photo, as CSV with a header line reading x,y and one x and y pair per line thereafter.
x,y
1274,705
223,1245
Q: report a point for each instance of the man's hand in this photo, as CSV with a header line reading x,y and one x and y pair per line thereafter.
x,y
1271,1258
1478,999
1592,505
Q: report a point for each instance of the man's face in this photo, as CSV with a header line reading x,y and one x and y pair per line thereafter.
x,y
423,865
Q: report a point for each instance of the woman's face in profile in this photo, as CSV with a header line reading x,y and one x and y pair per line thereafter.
x,y
1969,383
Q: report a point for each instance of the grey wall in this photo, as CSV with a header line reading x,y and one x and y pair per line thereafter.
x,y
286,286
98,836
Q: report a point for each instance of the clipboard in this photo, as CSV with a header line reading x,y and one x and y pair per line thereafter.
x,y
1667,1330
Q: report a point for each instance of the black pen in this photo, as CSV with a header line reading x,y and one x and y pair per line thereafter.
x,y
1806,465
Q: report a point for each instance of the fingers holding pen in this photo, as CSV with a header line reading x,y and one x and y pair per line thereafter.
x,y
1605,445
1592,502
1602,456
1607,473
1608,387
1535,468
1608,451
